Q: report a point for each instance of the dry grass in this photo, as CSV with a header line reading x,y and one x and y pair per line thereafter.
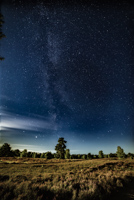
x,y
41,179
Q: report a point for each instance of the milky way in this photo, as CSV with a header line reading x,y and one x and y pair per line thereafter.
x,y
68,71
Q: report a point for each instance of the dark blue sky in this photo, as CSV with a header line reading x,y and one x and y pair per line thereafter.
x,y
68,72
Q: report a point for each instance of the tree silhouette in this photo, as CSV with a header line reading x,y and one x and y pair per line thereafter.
x,y
1,33
16,152
48,155
5,150
60,148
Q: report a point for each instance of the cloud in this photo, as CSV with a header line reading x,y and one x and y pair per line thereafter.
x,y
14,121
33,148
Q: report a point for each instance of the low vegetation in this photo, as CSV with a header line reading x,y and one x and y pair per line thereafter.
x,y
58,179
45,176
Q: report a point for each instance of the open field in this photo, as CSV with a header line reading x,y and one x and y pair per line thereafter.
x,y
41,179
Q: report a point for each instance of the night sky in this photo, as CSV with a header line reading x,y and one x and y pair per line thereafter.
x,y
68,72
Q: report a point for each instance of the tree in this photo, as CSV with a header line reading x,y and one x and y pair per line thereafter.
x,y
67,153
1,34
101,155
112,155
5,150
60,148
24,153
89,156
16,152
34,155
84,156
74,156
120,152
42,155
130,155
29,154
48,155
79,156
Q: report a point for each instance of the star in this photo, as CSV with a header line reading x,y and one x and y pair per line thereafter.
x,y
67,72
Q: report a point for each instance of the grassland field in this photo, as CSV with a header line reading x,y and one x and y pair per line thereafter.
x,y
56,179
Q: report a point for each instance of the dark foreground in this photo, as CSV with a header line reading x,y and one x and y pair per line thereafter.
x,y
41,179
125,193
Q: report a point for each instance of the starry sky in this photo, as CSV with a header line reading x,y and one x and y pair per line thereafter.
x,y
68,72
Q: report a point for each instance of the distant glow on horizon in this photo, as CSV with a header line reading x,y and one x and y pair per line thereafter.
x,y
32,148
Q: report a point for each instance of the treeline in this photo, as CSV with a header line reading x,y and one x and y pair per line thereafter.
x,y
6,151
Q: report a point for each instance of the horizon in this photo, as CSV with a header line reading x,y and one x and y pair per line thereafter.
x,y
33,149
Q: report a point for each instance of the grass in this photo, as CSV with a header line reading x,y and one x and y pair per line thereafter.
x,y
41,179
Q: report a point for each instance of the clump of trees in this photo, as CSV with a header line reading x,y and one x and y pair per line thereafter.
x,y
61,153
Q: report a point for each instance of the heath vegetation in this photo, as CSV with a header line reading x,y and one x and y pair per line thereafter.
x,y
50,176
58,179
